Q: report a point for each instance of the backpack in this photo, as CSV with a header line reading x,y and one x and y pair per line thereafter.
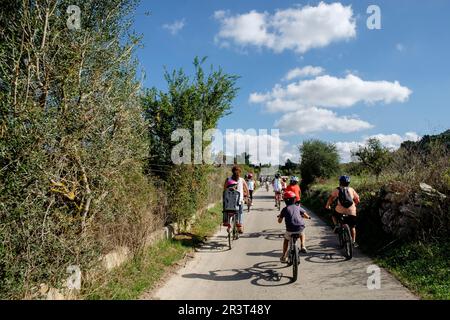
x,y
345,199
231,199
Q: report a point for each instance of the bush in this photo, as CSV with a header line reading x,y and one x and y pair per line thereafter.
x,y
318,159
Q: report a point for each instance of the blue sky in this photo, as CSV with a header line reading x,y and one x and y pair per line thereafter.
x,y
393,83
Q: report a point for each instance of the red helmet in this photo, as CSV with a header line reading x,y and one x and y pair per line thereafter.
x,y
250,175
289,195
231,182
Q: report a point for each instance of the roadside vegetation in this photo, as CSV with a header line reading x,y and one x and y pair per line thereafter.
x,y
148,268
404,217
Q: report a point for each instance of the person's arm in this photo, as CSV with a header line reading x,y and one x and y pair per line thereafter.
x,y
330,200
225,184
356,199
246,193
280,216
304,213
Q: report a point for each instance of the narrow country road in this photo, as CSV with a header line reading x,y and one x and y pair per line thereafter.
x,y
252,269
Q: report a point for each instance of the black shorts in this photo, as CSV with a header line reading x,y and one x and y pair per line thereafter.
x,y
350,220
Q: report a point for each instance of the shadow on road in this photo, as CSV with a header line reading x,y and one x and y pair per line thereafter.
x,y
262,274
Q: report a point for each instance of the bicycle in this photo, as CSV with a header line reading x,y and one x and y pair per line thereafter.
x,y
232,230
293,257
345,237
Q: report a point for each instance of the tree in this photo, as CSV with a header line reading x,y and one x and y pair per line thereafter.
x,y
204,98
373,156
318,159
71,148
289,168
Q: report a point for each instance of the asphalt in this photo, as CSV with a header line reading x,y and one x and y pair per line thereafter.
x,y
251,270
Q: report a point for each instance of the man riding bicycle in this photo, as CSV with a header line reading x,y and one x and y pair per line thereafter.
x,y
347,199
276,184
251,186
295,224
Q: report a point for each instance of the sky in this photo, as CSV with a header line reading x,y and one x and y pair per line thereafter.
x,y
310,69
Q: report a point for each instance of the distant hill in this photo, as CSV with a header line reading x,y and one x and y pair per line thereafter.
x,y
424,143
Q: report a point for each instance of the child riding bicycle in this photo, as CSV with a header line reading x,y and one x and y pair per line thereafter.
x,y
293,215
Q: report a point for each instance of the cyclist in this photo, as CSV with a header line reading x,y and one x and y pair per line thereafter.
x,y
294,187
295,224
242,188
230,201
251,186
276,184
283,184
346,194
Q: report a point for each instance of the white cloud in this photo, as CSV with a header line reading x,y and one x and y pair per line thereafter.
x,y
298,29
303,72
175,27
391,141
310,120
329,91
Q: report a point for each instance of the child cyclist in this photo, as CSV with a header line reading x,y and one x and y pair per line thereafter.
x,y
293,215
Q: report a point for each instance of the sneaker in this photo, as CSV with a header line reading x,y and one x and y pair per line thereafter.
x,y
303,250
355,245
283,259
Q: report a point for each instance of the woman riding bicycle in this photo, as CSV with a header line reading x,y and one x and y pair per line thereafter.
x,y
347,199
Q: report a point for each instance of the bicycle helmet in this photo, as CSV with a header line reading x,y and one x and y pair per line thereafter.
x,y
231,183
295,179
344,179
250,175
277,175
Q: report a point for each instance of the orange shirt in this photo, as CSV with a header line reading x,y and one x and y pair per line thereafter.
x,y
296,189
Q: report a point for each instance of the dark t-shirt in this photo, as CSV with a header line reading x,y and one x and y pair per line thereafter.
x,y
293,218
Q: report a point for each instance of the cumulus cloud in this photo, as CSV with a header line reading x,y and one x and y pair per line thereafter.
x,y
310,120
175,27
391,141
303,72
328,91
299,29
264,146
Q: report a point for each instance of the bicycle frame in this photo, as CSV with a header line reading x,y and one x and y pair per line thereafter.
x,y
345,238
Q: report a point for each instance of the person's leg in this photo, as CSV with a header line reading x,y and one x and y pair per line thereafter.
x,y
240,219
353,230
285,247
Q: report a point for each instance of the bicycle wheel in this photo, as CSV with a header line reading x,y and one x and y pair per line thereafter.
x,y
348,245
340,237
235,230
295,263
229,234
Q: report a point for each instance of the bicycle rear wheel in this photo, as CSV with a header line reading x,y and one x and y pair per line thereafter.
x,y
348,245
295,263
229,233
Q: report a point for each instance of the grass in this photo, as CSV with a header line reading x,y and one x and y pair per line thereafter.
x,y
424,268
145,270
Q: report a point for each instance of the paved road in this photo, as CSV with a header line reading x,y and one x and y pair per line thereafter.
x,y
252,270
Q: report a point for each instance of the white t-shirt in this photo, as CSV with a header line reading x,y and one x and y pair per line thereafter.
x,y
251,185
240,188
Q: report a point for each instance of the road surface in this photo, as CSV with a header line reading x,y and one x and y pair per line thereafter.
x,y
252,269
